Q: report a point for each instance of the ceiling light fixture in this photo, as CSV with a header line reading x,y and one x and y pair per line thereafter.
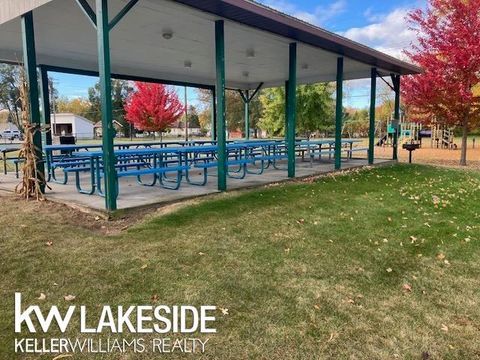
x,y
246,74
250,53
167,34
187,64
305,66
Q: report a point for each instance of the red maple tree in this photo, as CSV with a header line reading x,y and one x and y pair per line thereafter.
x,y
448,50
153,107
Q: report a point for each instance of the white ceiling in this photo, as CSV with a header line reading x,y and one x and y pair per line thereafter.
x,y
65,38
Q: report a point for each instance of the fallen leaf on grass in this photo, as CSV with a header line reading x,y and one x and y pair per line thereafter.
x,y
154,298
144,266
201,254
444,328
441,256
62,356
389,270
425,355
69,298
407,287
333,335
301,221
42,296
316,306
224,311
49,243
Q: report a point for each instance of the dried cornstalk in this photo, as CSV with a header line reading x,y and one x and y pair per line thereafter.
x,y
32,181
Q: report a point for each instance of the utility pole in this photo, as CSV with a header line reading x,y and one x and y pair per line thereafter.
x,y
54,105
186,114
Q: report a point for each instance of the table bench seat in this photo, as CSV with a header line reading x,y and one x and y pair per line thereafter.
x,y
161,170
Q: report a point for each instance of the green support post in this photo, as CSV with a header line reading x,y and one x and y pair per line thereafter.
x,y
45,97
31,76
291,96
371,130
396,86
220,103
247,115
286,109
103,38
214,116
339,115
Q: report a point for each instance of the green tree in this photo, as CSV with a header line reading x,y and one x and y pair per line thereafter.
x,y
273,117
356,123
77,106
10,92
120,91
205,109
235,110
315,109
193,117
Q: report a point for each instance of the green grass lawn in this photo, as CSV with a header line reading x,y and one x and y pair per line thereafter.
x,y
377,264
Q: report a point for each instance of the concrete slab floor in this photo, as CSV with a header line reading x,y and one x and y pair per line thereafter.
x,y
133,195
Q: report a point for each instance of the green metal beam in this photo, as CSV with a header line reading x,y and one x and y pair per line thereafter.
x,y
220,101
257,90
247,99
45,97
396,116
214,116
88,11
66,70
103,40
31,76
291,108
247,115
122,13
371,130
339,115
243,96
286,108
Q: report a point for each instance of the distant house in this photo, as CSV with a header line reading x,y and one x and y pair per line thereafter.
x,y
67,124
178,129
119,129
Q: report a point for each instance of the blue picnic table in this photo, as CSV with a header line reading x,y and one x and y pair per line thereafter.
x,y
163,160
180,158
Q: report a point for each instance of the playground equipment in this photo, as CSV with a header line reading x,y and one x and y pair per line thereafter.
x,y
409,132
443,137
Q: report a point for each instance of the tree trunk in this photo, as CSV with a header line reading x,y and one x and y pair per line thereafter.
x,y
463,157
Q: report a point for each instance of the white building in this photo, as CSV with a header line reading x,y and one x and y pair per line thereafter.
x,y
179,131
67,124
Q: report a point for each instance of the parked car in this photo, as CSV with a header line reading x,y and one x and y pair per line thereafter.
x,y
11,134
